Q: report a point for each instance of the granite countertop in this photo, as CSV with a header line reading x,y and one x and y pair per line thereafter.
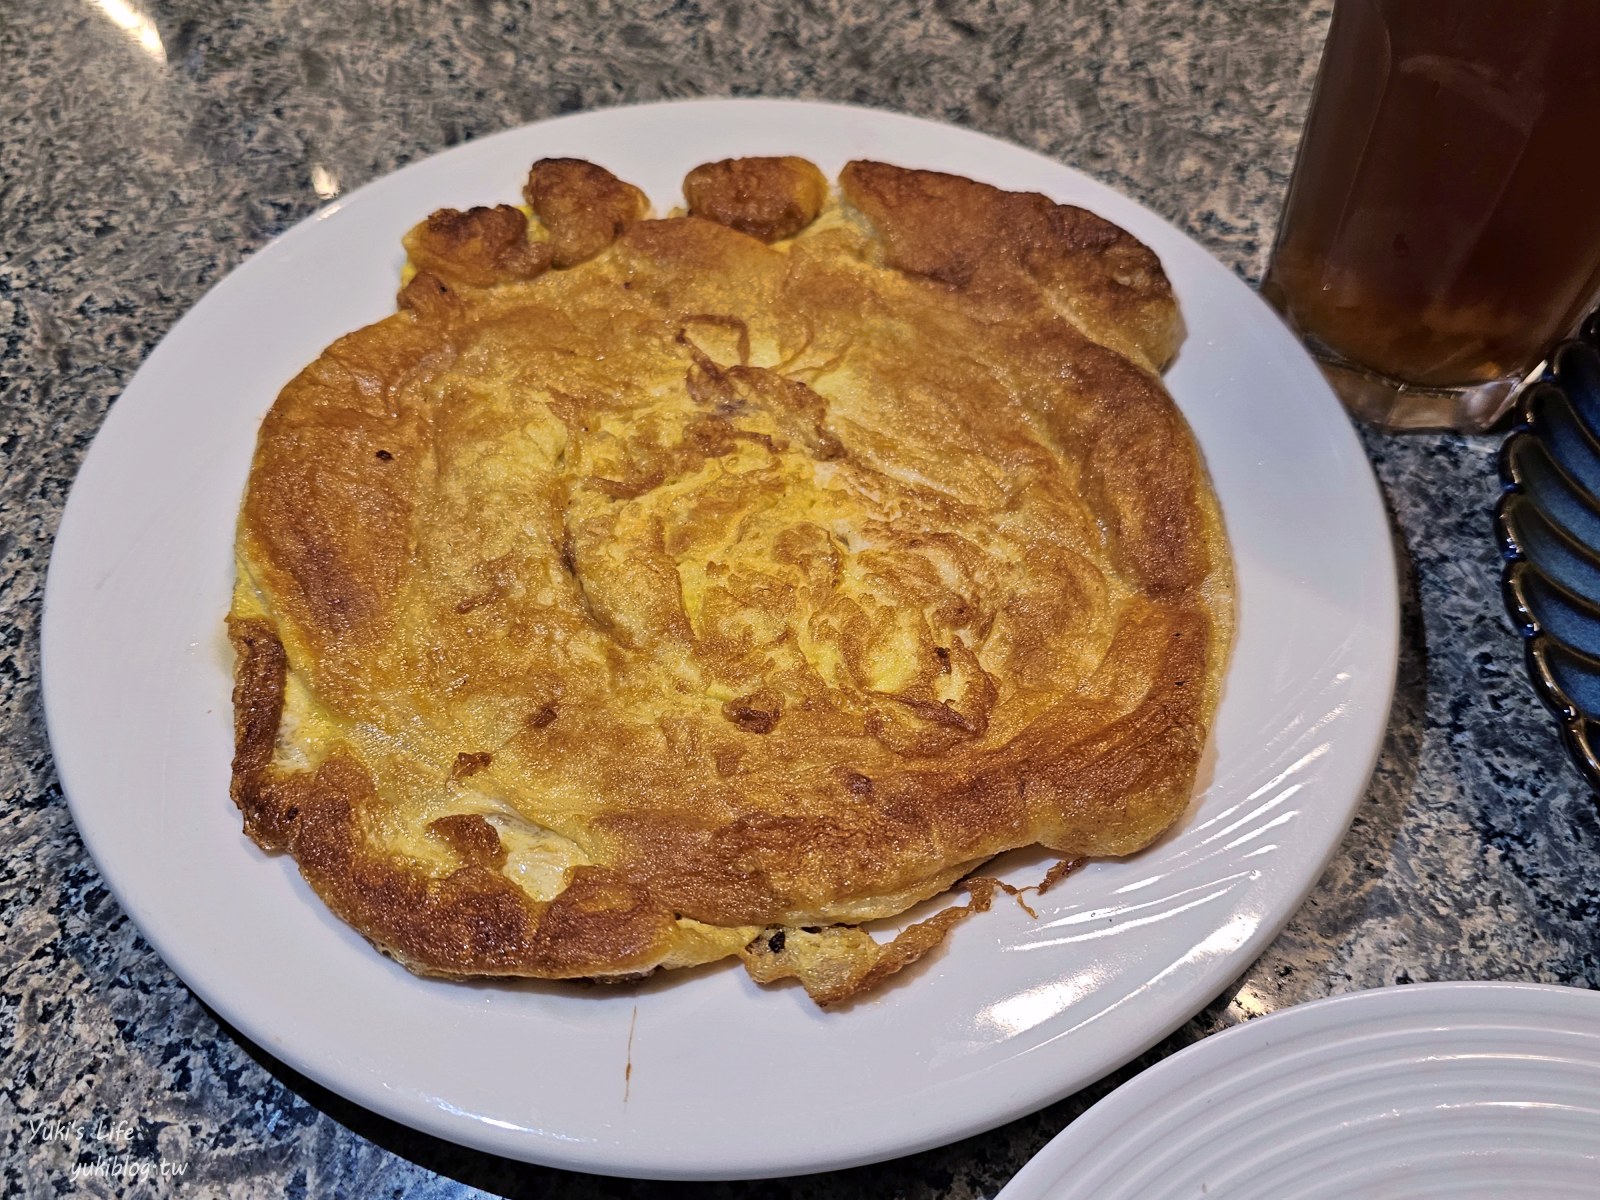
x,y
149,146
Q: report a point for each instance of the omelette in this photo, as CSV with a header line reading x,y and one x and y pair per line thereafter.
x,y
649,591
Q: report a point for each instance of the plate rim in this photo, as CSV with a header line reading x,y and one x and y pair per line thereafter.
x,y
467,1129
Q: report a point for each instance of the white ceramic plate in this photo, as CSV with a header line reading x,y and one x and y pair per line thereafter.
x,y
727,1079
1436,1091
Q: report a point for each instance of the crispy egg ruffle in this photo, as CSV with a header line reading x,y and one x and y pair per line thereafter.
x,y
648,591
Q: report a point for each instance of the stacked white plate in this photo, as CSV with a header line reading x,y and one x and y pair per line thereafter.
x,y
1455,1090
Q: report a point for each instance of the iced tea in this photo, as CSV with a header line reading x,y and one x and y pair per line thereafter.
x,y
1443,223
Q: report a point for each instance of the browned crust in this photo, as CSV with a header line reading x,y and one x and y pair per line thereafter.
x,y
837,964
583,206
260,673
477,248
469,764
977,238
428,297
475,841
797,794
768,198
471,921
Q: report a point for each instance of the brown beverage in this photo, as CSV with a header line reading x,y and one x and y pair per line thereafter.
x,y
1443,223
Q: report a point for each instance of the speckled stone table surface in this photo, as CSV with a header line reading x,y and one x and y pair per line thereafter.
x,y
148,146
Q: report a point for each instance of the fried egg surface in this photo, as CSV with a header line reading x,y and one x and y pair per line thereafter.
x,y
648,591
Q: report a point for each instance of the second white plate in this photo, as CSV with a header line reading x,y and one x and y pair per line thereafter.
x,y
1435,1091
704,1074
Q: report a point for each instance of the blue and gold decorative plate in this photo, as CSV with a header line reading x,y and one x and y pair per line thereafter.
x,y
1548,524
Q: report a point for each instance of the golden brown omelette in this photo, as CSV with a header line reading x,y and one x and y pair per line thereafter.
x,y
648,591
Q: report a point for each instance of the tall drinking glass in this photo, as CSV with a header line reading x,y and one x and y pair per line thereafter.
x,y
1442,227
